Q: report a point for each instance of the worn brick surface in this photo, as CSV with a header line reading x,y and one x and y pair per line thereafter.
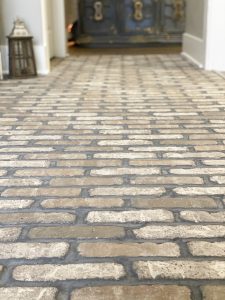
x,y
143,292
123,191
128,249
125,171
27,293
203,248
85,181
9,234
203,216
73,271
2,172
218,179
213,292
178,202
32,250
15,204
167,180
41,192
180,269
82,202
140,216
112,181
77,232
37,217
192,191
49,172
180,231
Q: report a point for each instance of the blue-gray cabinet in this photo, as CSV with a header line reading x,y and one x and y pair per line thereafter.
x,y
108,22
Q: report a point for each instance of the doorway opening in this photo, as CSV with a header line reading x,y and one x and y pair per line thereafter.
x,y
126,23
117,26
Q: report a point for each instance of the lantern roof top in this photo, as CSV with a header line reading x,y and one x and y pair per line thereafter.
x,y
19,29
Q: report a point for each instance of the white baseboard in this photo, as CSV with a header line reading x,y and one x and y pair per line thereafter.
x,y
1,72
191,60
222,74
41,58
194,49
5,62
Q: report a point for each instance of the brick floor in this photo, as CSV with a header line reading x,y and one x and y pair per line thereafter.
x,y
112,181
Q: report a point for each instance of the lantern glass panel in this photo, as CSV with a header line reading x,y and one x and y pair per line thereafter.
x,y
21,57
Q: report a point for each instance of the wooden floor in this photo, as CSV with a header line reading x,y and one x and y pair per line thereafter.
x,y
155,49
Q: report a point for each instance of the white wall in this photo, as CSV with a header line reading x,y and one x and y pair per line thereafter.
x,y
71,11
30,13
194,36
205,45
215,38
59,28
195,17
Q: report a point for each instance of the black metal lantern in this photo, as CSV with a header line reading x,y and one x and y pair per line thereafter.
x,y
21,53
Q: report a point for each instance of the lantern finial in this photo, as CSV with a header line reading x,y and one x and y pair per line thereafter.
x,y
19,29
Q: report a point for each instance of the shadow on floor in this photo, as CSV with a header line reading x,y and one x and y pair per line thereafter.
x,y
154,49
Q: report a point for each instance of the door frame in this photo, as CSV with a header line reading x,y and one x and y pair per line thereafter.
x,y
58,30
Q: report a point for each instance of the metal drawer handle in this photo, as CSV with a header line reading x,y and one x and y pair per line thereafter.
x,y
138,10
98,7
178,10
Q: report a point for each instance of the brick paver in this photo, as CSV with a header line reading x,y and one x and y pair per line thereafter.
x,y
112,181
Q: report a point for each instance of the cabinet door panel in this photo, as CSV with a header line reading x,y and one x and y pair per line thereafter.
x,y
98,16
139,16
173,16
